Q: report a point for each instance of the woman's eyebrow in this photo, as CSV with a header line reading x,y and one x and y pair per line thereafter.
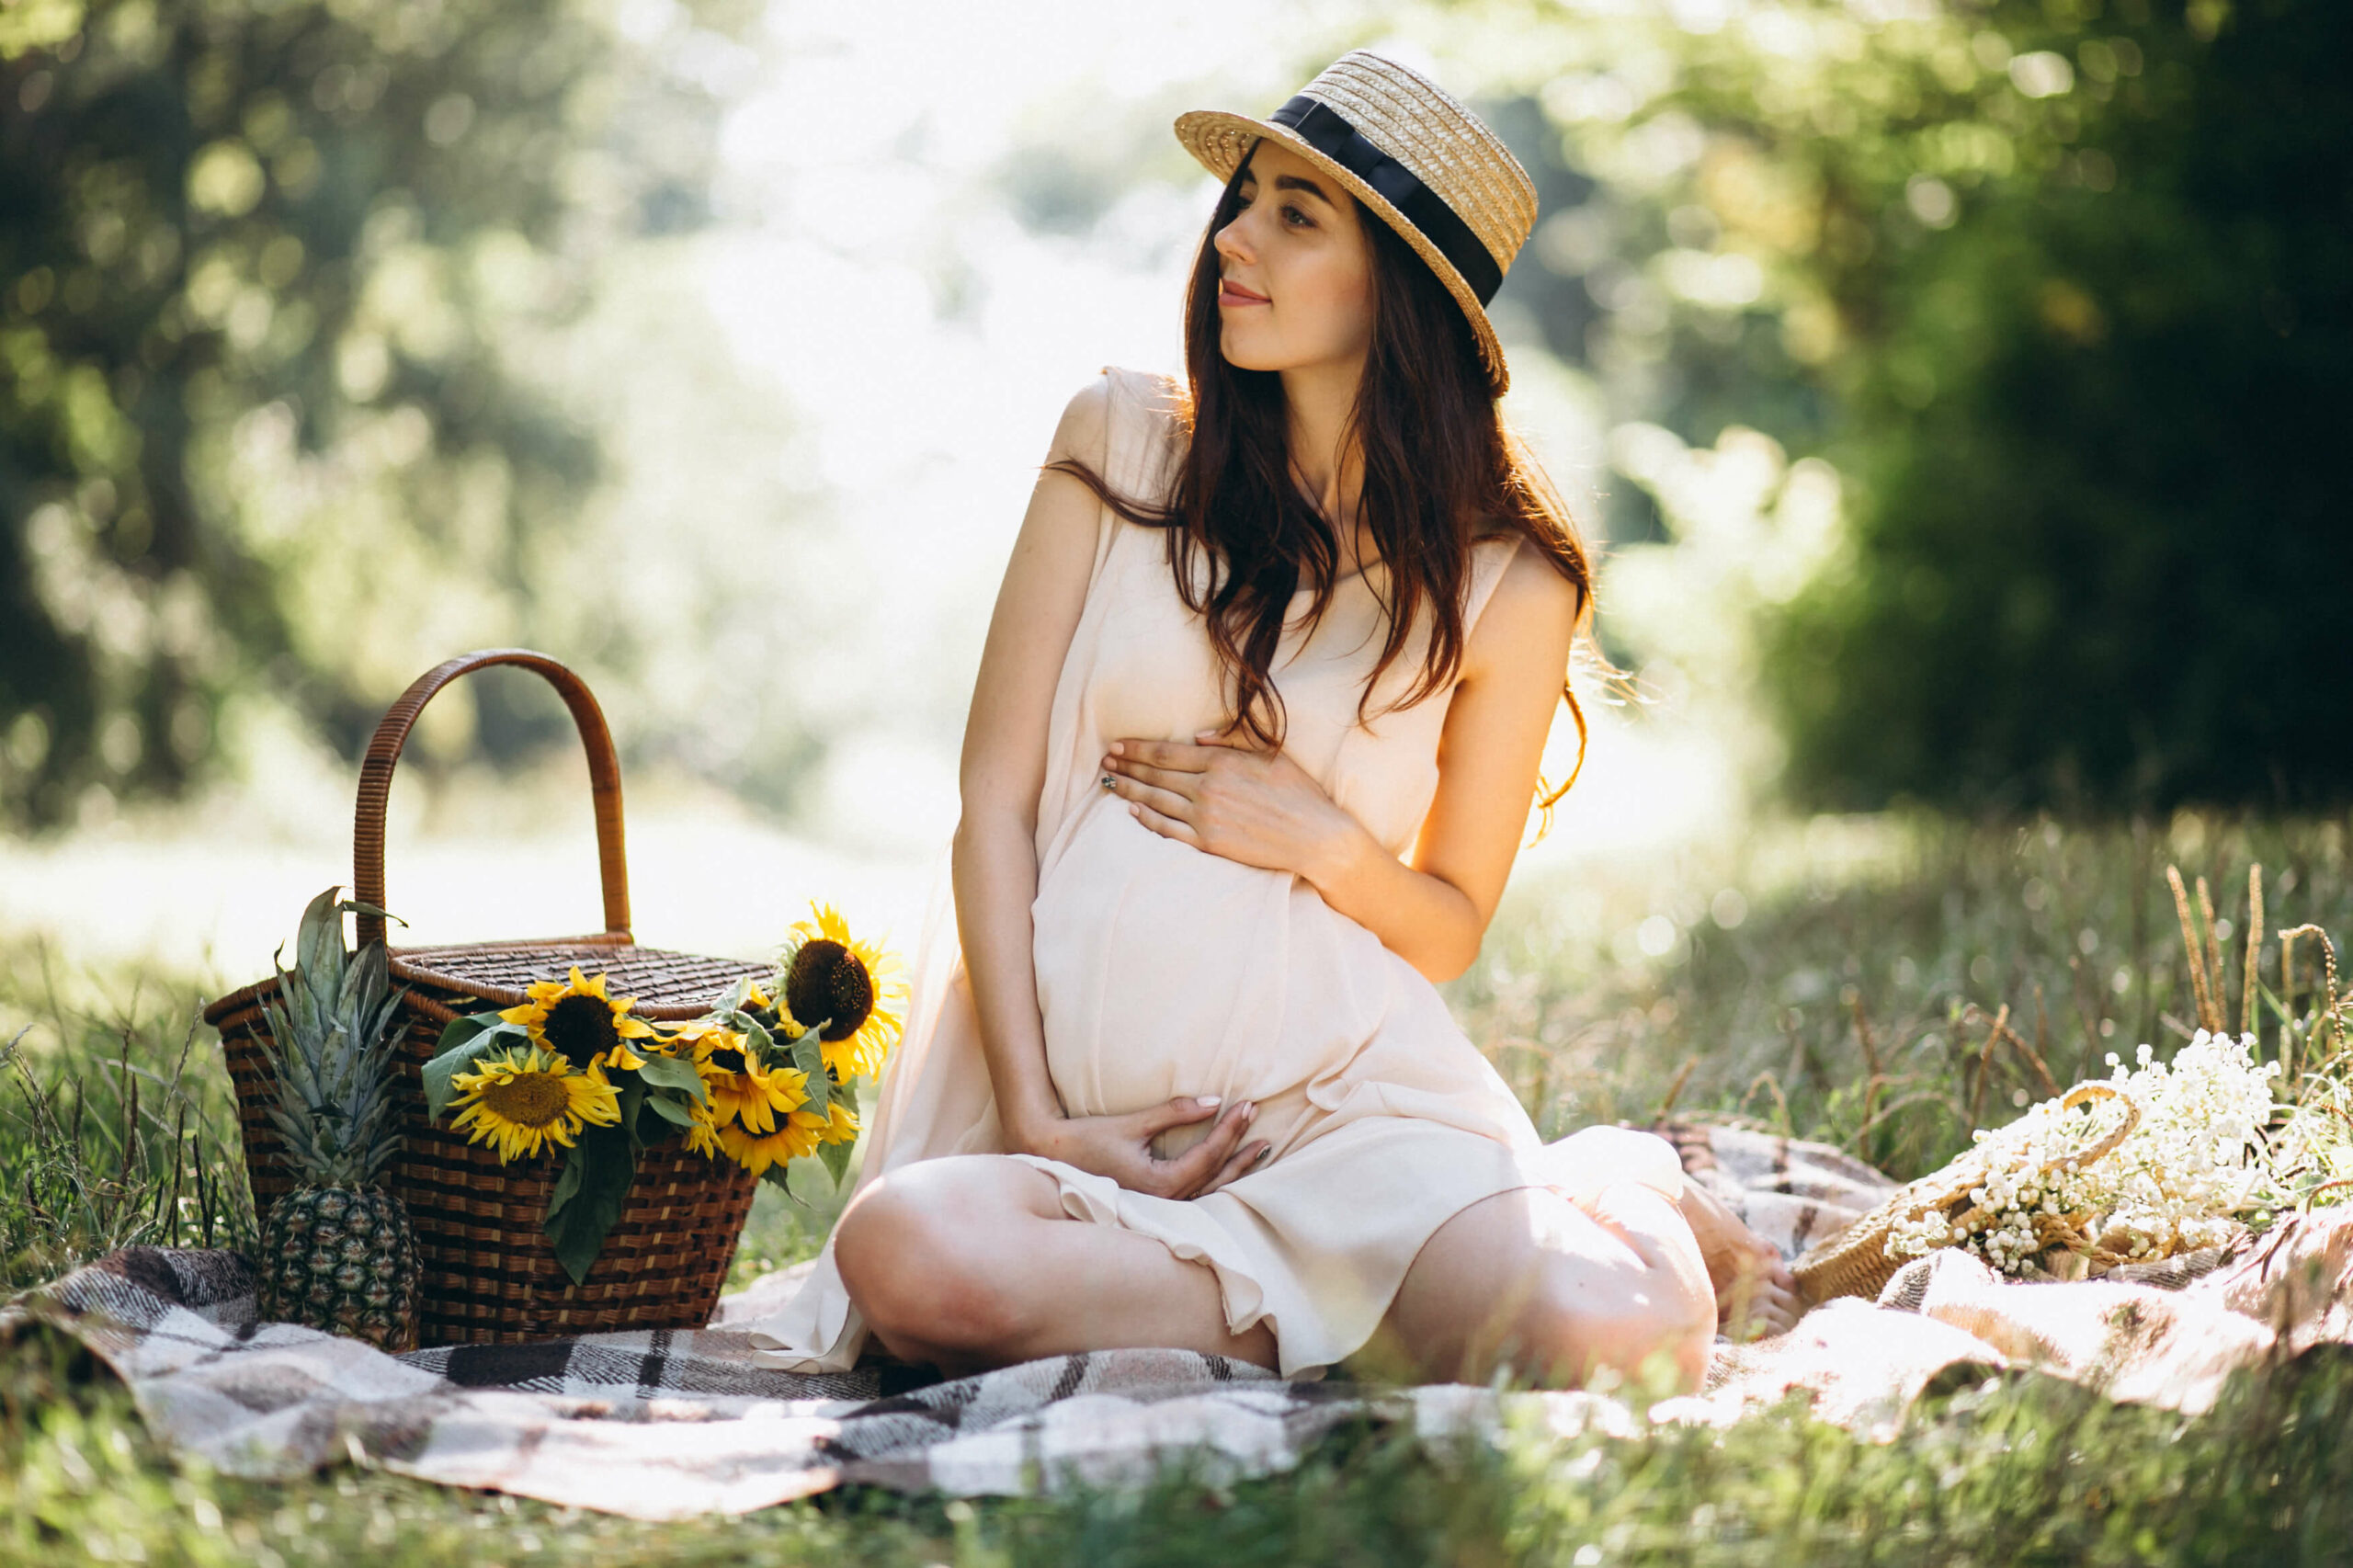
x,y
1294,182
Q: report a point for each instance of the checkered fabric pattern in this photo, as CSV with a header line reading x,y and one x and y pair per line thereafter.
x,y
665,1425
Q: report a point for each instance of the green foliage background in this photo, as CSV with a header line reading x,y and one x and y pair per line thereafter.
x,y
266,270
2060,287
2057,288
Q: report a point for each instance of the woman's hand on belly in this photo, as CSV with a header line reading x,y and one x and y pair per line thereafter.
x,y
1120,1147
1232,798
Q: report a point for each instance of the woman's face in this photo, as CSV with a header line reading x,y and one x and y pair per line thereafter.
x,y
1295,269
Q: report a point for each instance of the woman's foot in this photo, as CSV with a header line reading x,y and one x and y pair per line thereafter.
x,y
1755,1293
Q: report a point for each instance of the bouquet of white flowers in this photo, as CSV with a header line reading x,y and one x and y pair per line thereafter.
x,y
2169,1158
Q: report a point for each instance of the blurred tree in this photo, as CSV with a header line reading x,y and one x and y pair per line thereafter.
x,y
2061,287
2103,554
260,262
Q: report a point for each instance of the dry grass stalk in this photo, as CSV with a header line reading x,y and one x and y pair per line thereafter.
x,y
2214,950
2193,952
1675,1090
2254,948
1984,1064
1998,1028
2330,1012
1876,1080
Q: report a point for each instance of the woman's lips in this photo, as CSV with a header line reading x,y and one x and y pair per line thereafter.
x,y
1229,292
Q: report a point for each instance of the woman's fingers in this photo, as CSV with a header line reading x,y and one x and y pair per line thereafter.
x,y
1182,1112
1241,1162
1171,780
1165,826
1197,1165
1163,754
1168,802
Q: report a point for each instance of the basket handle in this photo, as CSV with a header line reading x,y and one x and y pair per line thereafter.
x,y
392,735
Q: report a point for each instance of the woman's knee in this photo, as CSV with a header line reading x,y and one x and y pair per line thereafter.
x,y
924,1254
1635,1321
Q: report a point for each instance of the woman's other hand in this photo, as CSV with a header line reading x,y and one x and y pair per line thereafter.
x,y
1233,798
1120,1147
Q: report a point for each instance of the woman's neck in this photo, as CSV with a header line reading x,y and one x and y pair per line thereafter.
x,y
1323,454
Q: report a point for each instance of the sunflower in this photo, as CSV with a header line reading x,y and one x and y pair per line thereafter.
x,y
742,1088
848,986
799,1133
702,1132
520,1101
842,1124
576,1020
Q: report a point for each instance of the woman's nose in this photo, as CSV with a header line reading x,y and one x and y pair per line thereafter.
x,y
1231,243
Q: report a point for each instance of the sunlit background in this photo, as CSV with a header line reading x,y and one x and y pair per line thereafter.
x,y
1943,379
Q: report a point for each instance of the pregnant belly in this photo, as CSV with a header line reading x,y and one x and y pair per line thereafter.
x,y
1164,970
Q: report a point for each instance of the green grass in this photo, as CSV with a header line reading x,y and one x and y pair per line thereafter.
x,y
1845,990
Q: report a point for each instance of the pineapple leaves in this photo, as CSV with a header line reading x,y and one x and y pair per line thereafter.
x,y
593,1187
334,1028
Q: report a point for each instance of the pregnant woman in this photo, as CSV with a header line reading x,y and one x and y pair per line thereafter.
x,y
1250,751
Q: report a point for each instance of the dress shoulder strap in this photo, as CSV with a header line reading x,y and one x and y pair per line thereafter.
x,y
1489,556
1145,435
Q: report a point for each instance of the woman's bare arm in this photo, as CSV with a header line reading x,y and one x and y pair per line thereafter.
x,y
995,858
1004,767
1434,911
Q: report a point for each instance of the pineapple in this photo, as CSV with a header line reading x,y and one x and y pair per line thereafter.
x,y
336,1252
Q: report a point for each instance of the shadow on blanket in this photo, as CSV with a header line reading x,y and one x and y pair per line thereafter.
x,y
669,1423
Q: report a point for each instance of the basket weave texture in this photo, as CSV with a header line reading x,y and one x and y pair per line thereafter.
x,y
490,1274
1856,1262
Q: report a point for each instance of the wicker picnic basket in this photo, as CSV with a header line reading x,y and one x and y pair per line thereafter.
x,y
1855,1262
489,1273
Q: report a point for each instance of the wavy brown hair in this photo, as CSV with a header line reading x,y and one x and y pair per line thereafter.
x,y
1440,469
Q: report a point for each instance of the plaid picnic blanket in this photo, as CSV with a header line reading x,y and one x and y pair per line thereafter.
x,y
669,1423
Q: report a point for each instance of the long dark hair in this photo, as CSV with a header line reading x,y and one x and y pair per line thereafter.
x,y
1439,467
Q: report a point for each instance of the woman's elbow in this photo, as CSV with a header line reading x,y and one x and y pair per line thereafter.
x,y
1450,962
987,821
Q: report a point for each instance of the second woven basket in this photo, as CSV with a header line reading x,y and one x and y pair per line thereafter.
x,y
1856,1261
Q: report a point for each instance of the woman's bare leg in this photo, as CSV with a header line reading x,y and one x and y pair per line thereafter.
x,y
968,1262
1558,1292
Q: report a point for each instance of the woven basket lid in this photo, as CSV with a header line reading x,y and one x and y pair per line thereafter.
x,y
666,985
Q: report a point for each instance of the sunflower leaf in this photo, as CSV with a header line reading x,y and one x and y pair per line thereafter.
x,y
808,1055
670,1073
633,1100
669,1109
568,1182
608,1163
463,1041
755,1034
836,1158
775,1177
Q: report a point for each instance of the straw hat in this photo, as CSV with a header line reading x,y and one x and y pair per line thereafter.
x,y
1409,151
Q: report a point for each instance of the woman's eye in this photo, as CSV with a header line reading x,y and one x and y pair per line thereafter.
x,y
1294,215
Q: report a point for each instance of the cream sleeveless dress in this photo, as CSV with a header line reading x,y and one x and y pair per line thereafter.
x,y
1163,969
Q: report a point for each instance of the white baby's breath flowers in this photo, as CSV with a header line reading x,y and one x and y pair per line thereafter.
x,y
2195,1160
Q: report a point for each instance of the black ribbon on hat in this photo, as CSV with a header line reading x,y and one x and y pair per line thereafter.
x,y
1327,131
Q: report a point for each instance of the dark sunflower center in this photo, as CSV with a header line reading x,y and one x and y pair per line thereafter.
x,y
581,1028
727,1060
827,982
